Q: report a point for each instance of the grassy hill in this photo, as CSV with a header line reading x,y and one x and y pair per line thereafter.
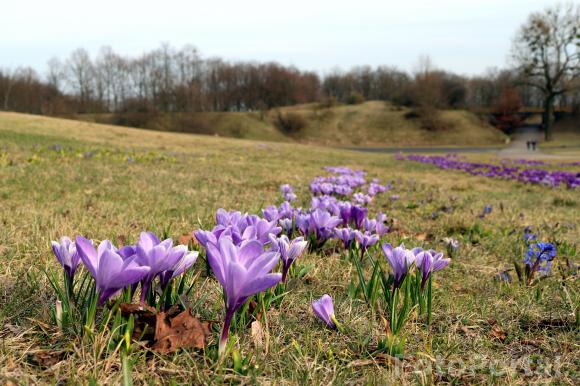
x,y
62,177
566,133
370,124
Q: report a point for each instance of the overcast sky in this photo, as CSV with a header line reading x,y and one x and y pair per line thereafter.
x,y
465,36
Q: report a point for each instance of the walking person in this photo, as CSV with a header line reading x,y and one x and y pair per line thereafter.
x,y
529,144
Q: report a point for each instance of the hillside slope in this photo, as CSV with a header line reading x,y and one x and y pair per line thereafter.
x,y
376,124
370,124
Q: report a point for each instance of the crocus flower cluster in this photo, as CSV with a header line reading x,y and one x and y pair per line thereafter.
x,y
331,214
403,261
551,178
244,249
240,227
537,162
114,269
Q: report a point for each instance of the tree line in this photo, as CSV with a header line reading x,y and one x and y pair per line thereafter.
x,y
166,79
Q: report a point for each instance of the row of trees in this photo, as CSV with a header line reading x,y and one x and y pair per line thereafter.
x,y
171,80
165,79
545,72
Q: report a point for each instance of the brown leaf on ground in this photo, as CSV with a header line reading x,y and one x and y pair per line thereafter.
x,y
185,238
137,309
46,358
182,331
257,333
496,331
421,236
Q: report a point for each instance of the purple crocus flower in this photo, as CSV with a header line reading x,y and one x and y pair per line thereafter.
x,y
67,256
286,225
110,271
181,266
127,251
400,260
321,224
271,213
365,240
428,262
159,256
242,271
260,230
287,192
289,251
286,210
346,235
345,213
358,214
205,237
324,310
362,199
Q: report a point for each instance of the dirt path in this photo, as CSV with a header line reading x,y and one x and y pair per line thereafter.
x,y
518,146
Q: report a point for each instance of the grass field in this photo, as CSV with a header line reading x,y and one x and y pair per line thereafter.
x,y
566,135
370,124
61,177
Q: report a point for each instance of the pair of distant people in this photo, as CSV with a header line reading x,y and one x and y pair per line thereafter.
x,y
532,145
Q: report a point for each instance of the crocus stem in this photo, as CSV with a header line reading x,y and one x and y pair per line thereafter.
x,y
284,274
144,290
339,326
225,332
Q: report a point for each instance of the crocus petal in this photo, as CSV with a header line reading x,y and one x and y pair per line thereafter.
x,y
263,264
261,284
216,263
148,240
250,250
88,254
110,264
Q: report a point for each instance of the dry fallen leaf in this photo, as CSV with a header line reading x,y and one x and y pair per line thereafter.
x,y
496,331
185,238
137,309
182,331
46,358
421,236
167,331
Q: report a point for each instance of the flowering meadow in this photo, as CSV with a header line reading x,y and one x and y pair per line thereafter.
x,y
169,259
518,170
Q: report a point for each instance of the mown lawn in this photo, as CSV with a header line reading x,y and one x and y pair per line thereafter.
x,y
62,177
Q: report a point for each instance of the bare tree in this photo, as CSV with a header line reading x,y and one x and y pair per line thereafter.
x,y
7,81
547,52
80,71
